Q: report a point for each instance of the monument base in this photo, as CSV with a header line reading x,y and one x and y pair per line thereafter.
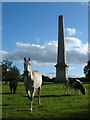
x,y
61,73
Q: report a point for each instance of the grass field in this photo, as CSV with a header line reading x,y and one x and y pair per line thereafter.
x,y
53,103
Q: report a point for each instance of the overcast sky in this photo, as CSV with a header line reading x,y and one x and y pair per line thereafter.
x,y
31,30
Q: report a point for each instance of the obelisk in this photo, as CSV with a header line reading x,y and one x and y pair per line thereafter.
x,y
61,66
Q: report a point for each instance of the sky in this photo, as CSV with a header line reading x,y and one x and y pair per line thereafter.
x,y
30,29
45,0
0,26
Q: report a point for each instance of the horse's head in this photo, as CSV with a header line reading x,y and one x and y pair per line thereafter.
x,y
27,65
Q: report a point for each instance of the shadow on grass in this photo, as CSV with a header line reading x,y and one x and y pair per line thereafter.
x,y
43,96
6,93
7,106
48,96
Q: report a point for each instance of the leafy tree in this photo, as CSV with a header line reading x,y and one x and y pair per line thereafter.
x,y
14,73
87,70
6,65
9,72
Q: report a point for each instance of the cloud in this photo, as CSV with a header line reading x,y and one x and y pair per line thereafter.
x,y
46,54
2,52
72,42
77,52
39,54
75,57
70,31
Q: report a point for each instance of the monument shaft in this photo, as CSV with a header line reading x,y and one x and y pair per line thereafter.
x,y
61,66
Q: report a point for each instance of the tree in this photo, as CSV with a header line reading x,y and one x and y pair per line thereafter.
x,y
87,70
6,65
9,72
14,73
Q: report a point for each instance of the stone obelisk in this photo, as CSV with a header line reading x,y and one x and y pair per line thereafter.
x,y
61,66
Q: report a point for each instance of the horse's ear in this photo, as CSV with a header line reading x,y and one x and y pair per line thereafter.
x,y
29,59
24,59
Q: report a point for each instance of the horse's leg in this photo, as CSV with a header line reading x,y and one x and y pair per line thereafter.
x,y
34,90
65,90
10,85
31,102
28,93
11,90
39,95
68,90
14,89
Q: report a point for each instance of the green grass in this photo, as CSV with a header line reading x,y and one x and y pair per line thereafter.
x,y
53,103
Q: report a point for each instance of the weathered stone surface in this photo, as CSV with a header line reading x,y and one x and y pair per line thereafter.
x,y
61,66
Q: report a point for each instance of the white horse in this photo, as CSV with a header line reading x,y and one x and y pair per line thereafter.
x,y
32,81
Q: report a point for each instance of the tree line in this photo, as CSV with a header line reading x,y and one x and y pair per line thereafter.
x,y
10,72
